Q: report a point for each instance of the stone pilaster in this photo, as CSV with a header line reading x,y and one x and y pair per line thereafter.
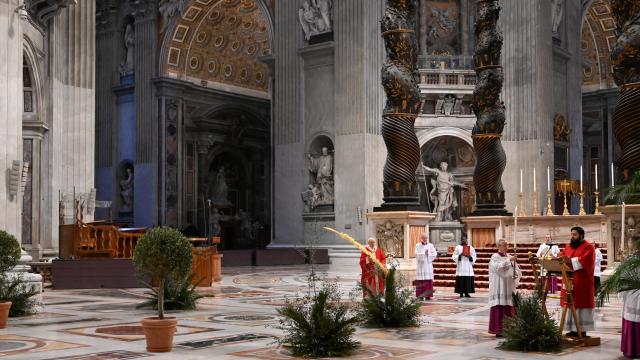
x,y
71,145
11,110
528,134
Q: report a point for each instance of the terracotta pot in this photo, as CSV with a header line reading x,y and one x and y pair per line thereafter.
x,y
4,313
159,333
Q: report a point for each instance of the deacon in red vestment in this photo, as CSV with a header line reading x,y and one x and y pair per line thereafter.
x,y
372,276
580,256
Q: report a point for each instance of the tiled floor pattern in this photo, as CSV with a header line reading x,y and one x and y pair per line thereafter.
x,y
237,322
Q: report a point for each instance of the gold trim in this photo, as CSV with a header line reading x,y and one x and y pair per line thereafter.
x,y
484,67
634,85
486,136
398,31
414,116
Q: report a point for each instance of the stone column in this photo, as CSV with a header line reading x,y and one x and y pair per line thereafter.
x,y
11,110
528,134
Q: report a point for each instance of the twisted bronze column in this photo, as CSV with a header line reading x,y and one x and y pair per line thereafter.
x,y
400,82
489,110
625,56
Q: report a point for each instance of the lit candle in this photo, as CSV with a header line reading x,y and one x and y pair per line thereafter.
x,y
613,176
515,228
580,178
534,179
596,177
548,181
520,180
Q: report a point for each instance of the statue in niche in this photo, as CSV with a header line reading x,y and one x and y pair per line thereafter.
x,y
220,192
447,106
315,18
214,222
321,167
310,197
127,66
126,186
246,225
557,10
443,192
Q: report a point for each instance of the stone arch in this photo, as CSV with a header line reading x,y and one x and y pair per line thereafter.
x,y
426,135
597,39
218,44
30,65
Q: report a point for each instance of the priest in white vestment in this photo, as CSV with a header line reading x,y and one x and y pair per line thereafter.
x,y
504,274
425,255
465,257
548,249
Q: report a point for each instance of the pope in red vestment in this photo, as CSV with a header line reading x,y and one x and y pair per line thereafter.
x,y
372,276
580,256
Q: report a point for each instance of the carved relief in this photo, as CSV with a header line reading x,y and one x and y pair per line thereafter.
x,y
442,27
391,238
315,17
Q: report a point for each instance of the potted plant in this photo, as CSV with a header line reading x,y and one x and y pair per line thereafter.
x,y
9,256
162,254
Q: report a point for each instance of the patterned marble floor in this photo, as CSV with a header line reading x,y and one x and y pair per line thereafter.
x,y
236,322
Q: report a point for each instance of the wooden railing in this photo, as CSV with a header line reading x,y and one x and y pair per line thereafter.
x,y
106,241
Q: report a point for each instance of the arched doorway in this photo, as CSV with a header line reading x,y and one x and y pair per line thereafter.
x,y
460,158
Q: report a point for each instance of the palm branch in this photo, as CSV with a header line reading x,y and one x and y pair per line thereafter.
x,y
626,277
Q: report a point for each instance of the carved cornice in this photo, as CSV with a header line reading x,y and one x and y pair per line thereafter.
x,y
44,10
105,13
144,9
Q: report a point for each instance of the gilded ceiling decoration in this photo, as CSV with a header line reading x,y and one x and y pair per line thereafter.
x,y
219,42
598,37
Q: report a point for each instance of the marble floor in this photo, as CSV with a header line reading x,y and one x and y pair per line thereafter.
x,y
236,322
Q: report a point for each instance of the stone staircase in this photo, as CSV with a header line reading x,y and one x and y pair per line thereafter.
x,y
445,268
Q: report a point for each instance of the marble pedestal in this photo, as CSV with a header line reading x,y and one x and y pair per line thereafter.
x,y
445,234
32,280
397,233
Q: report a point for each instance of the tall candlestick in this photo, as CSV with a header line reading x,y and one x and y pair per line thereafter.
x,y
534,179
596,177
580,178
548,180
520,180
515,228
613,176
622,237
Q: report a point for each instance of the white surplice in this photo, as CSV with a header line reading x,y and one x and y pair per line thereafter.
x,y
425,254
502,283
464,266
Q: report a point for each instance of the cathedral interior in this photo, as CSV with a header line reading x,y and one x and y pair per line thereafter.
x,y
259,122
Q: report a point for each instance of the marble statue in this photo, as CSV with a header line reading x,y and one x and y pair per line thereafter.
x,y
129,43
310,197
246,225
220,193
557,10
322,169
443,192
315,18
126,191
214,222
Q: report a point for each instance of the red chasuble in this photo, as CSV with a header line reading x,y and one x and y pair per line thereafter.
x,y
372,276
583,282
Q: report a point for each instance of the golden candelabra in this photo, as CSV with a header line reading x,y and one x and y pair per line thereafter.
x,y
597,210
534,204
549,209
521,211
582,212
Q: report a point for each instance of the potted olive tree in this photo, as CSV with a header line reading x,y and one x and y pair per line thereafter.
x,y
161,254
9,256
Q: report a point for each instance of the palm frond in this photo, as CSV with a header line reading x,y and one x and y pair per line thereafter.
x,y
626,277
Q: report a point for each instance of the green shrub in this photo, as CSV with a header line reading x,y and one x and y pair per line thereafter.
x,y
318,325
163,254
530,329
178,295
628,193
396,308
21,295
9,251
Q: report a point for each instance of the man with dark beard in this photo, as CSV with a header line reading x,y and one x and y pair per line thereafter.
x,y
580,256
